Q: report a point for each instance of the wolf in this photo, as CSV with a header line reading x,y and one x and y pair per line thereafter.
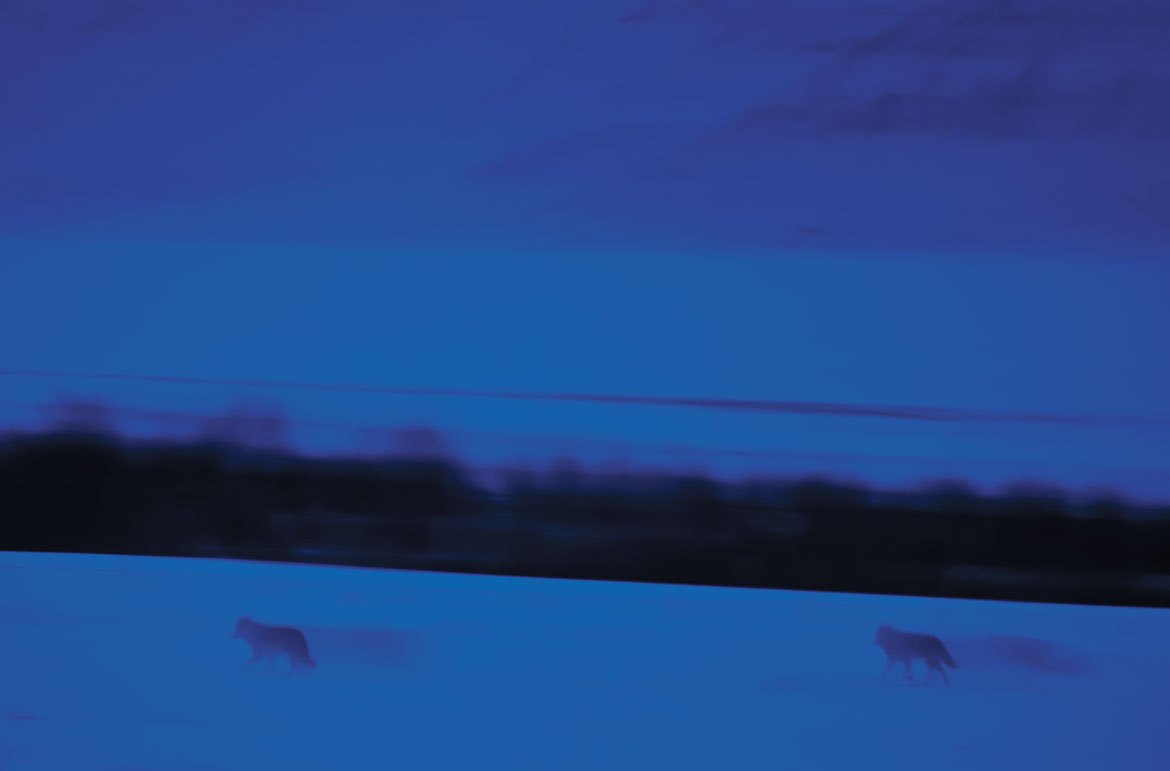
x,y
271,642
905,647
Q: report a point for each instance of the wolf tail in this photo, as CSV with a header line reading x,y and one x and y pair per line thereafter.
x,y
946,659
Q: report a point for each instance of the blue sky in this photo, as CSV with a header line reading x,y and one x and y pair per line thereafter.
x,y
897,205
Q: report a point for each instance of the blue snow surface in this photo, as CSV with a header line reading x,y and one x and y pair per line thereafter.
x,y
115,662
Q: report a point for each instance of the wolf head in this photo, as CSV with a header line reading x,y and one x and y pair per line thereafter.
x,y
243,627
883,632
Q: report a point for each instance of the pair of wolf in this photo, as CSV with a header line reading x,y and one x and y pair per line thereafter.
x,y
907,647
270,643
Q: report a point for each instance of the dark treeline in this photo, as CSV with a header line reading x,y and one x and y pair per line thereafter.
x,y
92,491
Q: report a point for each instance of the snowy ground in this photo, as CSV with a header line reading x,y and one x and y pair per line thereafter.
x,y
126,663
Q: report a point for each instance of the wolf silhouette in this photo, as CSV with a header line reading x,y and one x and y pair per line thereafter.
x,y
269,643
906,647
